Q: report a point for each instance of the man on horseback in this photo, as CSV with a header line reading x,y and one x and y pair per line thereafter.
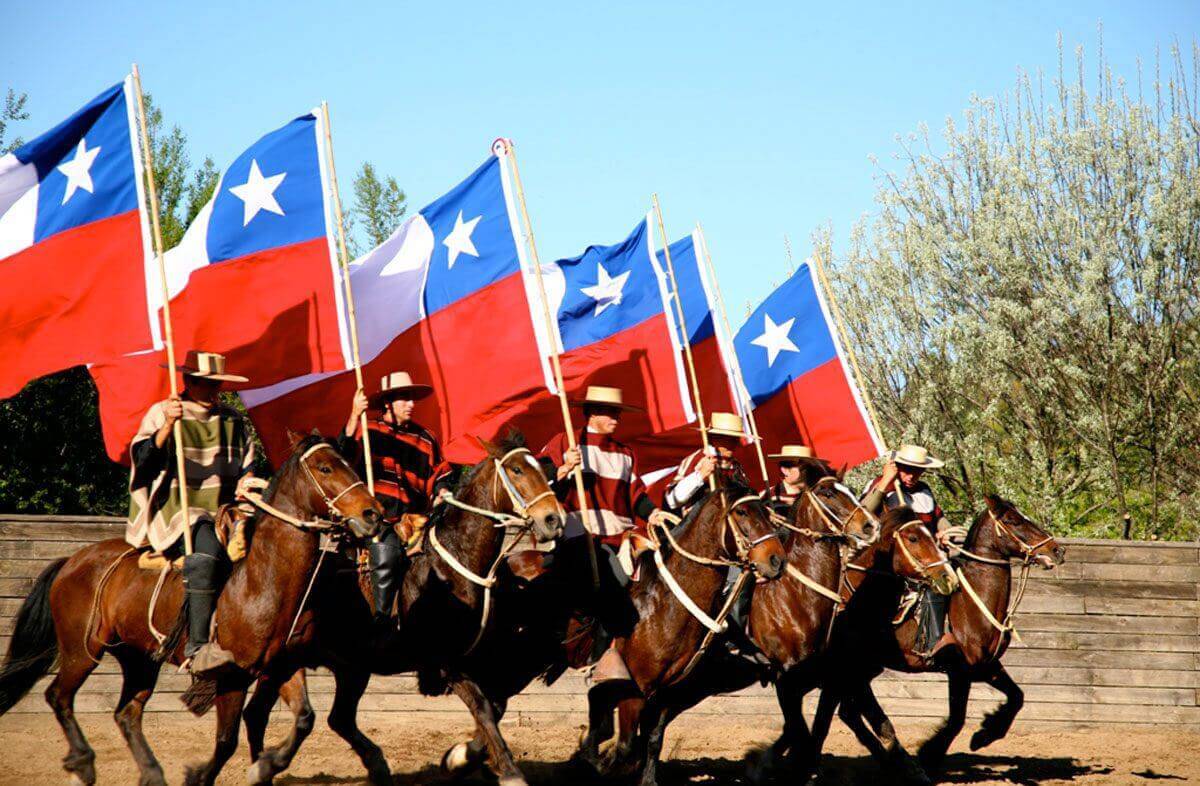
x,y
783,494
220,457
725,436
410,476
901,484
616,502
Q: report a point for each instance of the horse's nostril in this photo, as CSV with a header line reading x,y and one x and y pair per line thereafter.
x,y
776,563
371,515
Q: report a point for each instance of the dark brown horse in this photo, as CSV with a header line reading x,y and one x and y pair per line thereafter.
x,y
729,527
96,602
449,595
979,618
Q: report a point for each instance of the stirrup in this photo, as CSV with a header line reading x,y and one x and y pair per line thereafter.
x,y
154,560
610,668
210,658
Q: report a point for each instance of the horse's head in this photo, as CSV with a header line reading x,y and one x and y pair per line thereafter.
x,y
907,548
521,487
750,533
321,484
1014,535
834,508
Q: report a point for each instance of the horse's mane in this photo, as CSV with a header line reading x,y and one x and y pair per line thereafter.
x,y
1002,506
289,464
812,469
513,440
894,518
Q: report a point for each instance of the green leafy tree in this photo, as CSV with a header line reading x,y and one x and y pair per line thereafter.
x,y
13,112
1026,301
379,207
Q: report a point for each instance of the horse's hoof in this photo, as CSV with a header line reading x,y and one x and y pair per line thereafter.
x,y
192,776
76,780
982,739
513,780
260,772
152,778
457,761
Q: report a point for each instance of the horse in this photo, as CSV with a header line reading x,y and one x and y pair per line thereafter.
x,y
448,609
980,622
100,601
729,527
789,619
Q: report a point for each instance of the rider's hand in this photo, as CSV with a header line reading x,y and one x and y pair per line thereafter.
x,y
659,518
245,483
360,404
952,536
571,460
889,474
173,409
706,466
442,496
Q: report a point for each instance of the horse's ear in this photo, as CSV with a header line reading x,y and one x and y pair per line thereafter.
x,y
994,502
488,446
294,439
841,473
316,433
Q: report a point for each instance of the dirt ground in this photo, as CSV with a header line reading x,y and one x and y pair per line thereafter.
x,y
698,753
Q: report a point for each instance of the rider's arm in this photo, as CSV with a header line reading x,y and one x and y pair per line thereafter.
x,y
873,500
685,490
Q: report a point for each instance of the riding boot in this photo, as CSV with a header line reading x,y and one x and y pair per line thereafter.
x,y
387,562
200,586
932,634
737,641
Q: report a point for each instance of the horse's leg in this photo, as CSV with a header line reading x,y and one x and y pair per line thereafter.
x,y
73,669
654,724
140,676
827,704
599,730
796,740
349,686
229,703
269,762
625,754
869,707
997,723
934,750
500,759
463,758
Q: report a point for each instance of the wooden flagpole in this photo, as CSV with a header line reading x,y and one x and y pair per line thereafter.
x,y
843,335
555,364
344,262
169,335
685,337
742,392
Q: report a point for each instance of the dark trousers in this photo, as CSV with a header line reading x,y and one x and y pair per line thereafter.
x,y
609,603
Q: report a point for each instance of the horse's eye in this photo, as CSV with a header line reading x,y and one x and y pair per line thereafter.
x,y
326,469
912,538
518,471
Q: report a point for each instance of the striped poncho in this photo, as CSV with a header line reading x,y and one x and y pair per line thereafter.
x,y
218,452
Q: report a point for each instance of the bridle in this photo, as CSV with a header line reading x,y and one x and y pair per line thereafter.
x,y
743,543
336,517
519,524
924,570
836,525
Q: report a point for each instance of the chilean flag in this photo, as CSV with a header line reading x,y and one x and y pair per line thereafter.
x,y
797,379
443,298
74,244
255,277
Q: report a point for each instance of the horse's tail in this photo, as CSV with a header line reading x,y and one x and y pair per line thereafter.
x,y
34,645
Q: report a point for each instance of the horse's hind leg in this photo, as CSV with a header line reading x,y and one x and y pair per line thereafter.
x,y
140,676
464,758
229,703
349,686
500,758
997,723
73,670
934,750
796,740
869,708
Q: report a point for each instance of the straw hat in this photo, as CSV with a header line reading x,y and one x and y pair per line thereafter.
x,y
600,396
793,453
916,456
726,424
207,365
399,384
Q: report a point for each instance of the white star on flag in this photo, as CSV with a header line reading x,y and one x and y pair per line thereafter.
x,y
78,170
775,338
607,290
258,193
459,240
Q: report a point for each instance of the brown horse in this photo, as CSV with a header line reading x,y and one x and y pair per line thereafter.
x,y
981,630
97,602
729,527
450,613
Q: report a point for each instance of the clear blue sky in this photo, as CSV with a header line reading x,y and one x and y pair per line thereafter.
x,y
756,119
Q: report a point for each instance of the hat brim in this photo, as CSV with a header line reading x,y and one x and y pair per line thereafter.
x,y
191,372
409,392
721,432
931,463
584,402
787,457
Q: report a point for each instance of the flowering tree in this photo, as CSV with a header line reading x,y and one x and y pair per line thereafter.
x,y
1026,300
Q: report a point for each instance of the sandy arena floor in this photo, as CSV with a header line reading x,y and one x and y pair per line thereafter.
x,y
708,753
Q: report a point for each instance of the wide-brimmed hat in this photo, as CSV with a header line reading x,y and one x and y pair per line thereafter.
x,y
793,453
600,396
399,384
726,424
916,456
207,365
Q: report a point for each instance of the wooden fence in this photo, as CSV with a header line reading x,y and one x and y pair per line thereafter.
x,y
1111,637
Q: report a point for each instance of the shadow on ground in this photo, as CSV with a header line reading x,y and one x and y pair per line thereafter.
x,y
960,768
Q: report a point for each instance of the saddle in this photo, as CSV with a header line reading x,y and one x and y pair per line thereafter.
x,y
230,525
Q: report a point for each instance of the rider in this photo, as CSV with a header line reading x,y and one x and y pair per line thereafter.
x,y
901,484
689,485
220,455
616,500
410,478
725,436
784,493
